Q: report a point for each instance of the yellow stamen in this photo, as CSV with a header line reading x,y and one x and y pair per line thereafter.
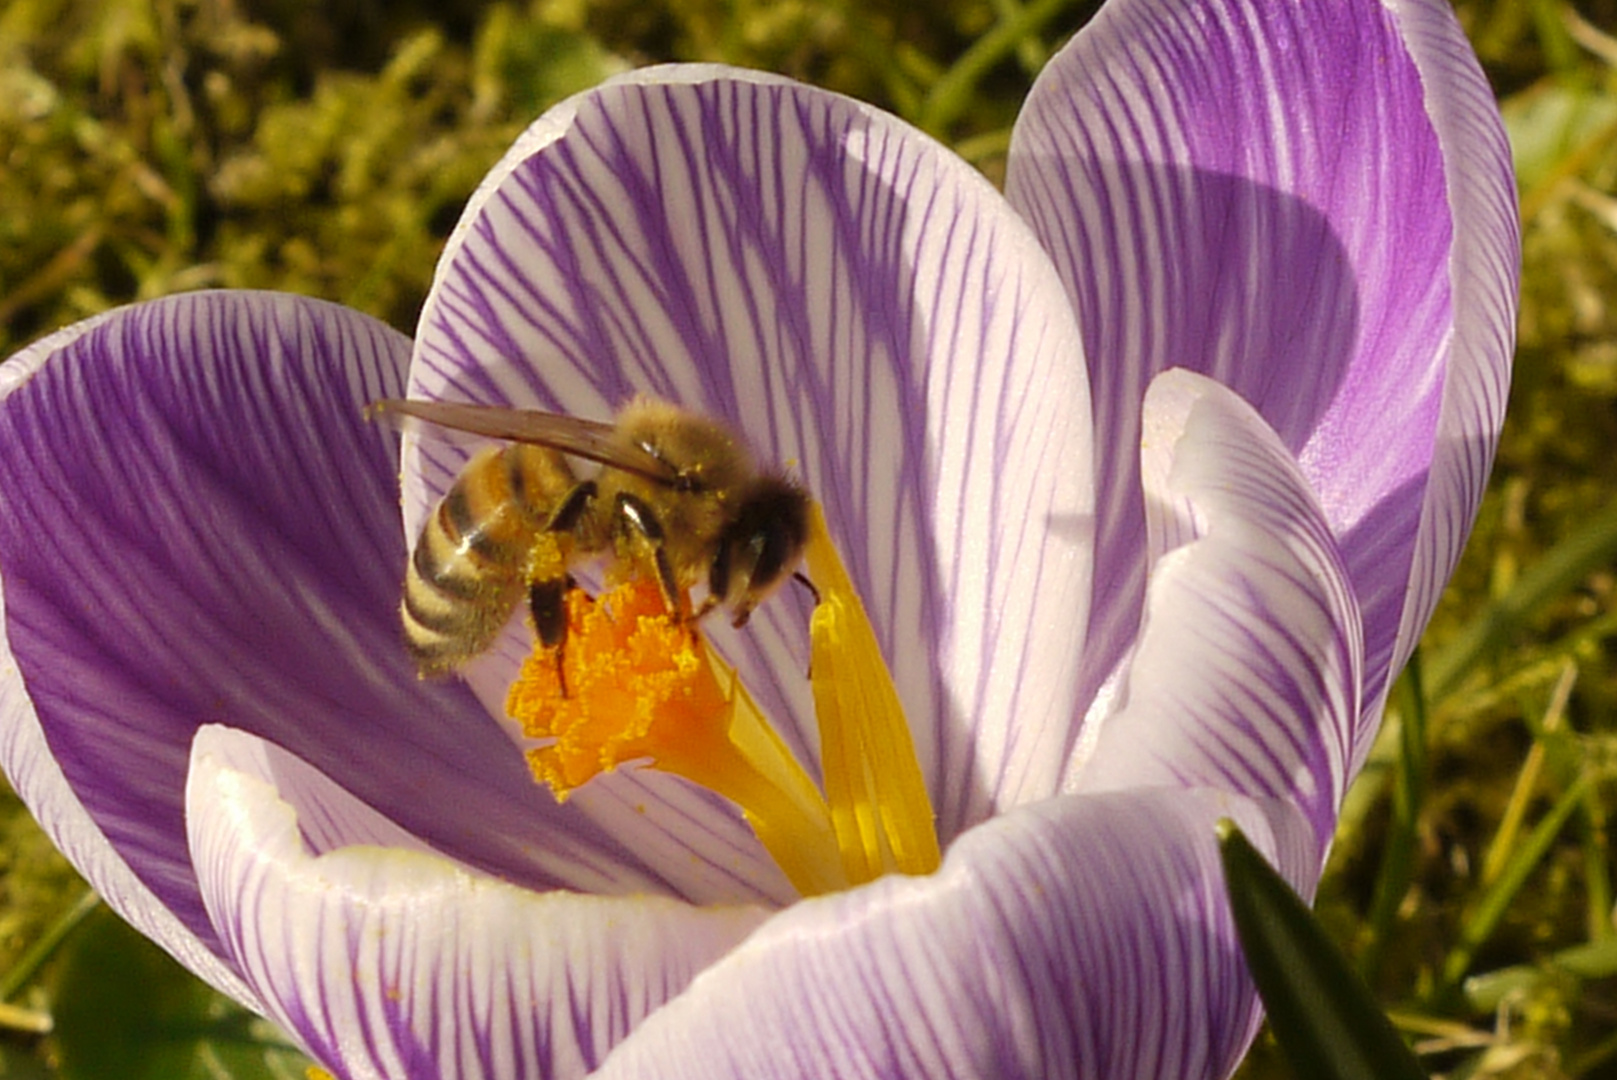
x,y
873,783
635,684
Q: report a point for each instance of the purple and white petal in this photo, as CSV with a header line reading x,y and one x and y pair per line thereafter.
x,y
201,526
1214,183
870,313
38,780
1247,671
1084,936
393,961
1484,269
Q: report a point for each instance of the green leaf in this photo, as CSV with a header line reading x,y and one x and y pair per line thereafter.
x,y
1322,1014
125,1010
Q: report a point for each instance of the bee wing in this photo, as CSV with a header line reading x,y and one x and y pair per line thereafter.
x,y
588,439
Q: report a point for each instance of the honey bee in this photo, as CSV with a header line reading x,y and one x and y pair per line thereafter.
x,y
676,493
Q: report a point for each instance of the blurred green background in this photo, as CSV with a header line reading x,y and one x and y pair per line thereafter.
x,y
151,146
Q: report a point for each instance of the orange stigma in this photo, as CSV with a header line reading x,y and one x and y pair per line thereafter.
x,y
630,683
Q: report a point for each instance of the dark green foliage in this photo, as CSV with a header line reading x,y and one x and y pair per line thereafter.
x,y
125,1010
1321,1012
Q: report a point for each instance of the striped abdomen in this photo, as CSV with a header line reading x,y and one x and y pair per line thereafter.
x,y
470,565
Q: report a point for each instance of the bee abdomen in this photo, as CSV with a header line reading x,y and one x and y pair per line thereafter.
x,y
443,632
469,565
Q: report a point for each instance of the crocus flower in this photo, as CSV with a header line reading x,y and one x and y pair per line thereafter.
x,y
1148,472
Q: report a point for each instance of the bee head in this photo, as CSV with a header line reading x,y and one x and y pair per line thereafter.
x,y
760,545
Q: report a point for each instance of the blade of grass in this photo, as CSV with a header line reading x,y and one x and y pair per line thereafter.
x,y
949,97
1505,838
1590,36
990,144
1408,796
28,965
26,1021
1598,904
1561,52
1594,960
1030,51
1484,919
1564,754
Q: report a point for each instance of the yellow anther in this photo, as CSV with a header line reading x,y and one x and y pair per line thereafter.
x,y
873,783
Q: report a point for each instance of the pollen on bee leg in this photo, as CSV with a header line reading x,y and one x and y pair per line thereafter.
x,y
549,556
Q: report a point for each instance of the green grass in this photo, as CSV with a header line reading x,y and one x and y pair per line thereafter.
x,y
150,146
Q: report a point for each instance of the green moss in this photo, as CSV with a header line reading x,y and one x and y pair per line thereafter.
x,y
149,146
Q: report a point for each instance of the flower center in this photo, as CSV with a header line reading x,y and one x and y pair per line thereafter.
x,y
633,683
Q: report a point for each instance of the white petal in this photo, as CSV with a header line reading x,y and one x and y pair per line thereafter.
x,y
1246,675
391,961
1080,937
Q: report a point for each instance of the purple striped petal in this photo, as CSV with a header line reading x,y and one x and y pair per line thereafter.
x,y
1247,671
37,778
393,961
1088,935
1083,936
200,525
1484,267
1310,202
868,312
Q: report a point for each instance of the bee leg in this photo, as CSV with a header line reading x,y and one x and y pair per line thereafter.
x,y
802,579
572,508
718,583
547,601
639,517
